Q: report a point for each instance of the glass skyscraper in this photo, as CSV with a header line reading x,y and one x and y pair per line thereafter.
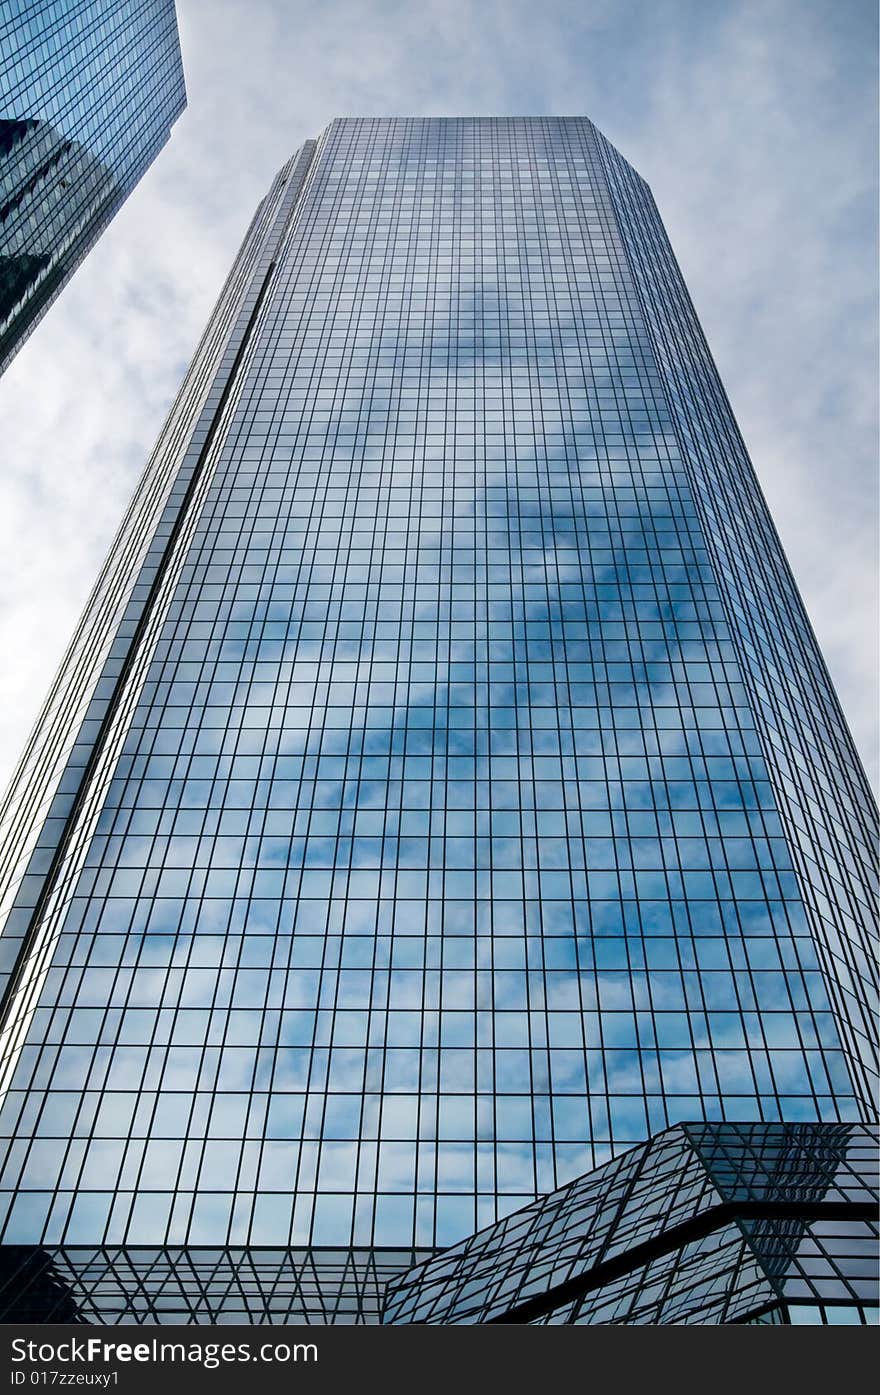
x,y
89,90
443,794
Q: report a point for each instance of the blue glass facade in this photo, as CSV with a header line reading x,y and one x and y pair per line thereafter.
x,y
89,90
443,792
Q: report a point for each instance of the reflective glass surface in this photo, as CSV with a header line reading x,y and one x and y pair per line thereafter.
x,y
426,842
824,801
221,1285
89,90
706,1223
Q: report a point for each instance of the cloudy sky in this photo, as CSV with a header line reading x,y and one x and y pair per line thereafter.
x,y
754,123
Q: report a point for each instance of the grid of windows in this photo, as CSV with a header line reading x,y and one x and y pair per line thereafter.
x,y
429,856
823,797
54,770
90,90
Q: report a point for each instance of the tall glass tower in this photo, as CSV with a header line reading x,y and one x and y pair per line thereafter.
x,y
443,794
89,90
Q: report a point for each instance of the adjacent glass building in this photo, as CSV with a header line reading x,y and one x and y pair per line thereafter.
x,y
704,1223
89,90
443,793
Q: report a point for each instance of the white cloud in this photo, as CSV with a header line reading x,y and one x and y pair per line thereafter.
x,y
754,124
